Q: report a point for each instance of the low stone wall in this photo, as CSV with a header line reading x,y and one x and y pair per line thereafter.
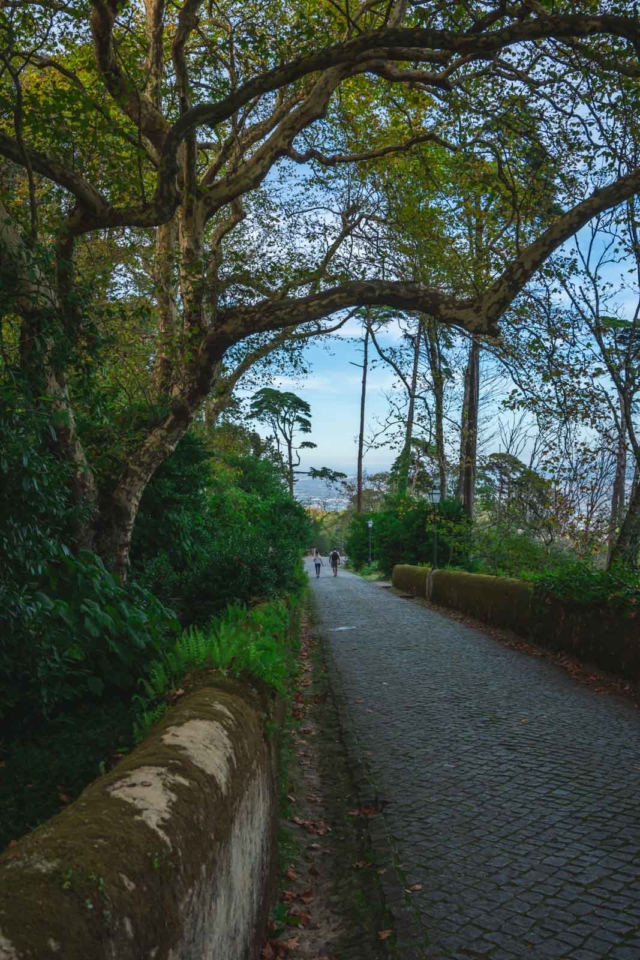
x,y
500,601
171,856
411,579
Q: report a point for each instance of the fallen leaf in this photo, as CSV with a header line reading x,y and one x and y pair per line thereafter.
x,y
267,952
291,798
365,812
291,874
414,887
307,896
384,934
382,870
362,864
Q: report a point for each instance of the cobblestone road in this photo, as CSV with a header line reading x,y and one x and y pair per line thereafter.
x,y
513,793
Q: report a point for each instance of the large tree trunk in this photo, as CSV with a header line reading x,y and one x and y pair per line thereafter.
x,y
169,320
619,483
365,364
437,378
469,431
37,299
404,460
625,549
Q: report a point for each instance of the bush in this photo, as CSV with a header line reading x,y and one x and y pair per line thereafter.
x,y
498,550
74,634
241,642
239,540
407,535
69,632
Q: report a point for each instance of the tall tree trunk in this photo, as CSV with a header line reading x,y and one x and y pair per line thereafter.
x,y
365,365
169,320
469,431
44,310
290,466
627,545
437,378
619,483
404,460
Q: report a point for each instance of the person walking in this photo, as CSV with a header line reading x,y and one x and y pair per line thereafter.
x,y
334,560
318,563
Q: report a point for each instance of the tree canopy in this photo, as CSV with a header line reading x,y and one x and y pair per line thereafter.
x,y
205,186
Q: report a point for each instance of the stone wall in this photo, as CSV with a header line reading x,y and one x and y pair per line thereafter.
x,y
171,856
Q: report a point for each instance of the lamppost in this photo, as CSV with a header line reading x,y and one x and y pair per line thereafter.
x,y
434,497
370,525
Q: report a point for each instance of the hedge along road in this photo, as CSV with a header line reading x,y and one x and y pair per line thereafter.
x,y
510,794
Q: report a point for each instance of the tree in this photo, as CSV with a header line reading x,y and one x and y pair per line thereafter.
x,y
288,415
164,131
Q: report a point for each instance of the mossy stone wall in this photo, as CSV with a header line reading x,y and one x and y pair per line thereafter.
x,y
500,601
171,856
411,579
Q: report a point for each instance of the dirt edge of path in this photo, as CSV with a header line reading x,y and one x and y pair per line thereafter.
x,y
331,902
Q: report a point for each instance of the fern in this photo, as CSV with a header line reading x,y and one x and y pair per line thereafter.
x,y
241,641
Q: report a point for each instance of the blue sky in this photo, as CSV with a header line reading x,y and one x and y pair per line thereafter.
x,y
333,392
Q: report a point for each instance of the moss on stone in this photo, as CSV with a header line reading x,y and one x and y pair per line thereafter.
x,y
410,579
100,879
499,601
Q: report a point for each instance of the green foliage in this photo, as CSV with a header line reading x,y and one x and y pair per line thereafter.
x,y
69,632
581,583
43,771
74,634
256,642
499,550
212,534
406,534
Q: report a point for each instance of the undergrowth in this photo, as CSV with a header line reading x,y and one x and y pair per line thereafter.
x,y
260,642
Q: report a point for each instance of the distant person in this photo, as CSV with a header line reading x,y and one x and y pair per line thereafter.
x,y
318,563
334,560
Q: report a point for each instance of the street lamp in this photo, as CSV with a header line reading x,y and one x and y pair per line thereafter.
x,y
370,525
434,497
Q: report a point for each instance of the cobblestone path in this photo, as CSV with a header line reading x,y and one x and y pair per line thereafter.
x,y
512,793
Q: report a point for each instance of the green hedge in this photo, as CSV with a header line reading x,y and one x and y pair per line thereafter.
x,y
594,630
411,579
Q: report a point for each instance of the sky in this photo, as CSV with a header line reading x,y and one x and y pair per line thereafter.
x,y
333,391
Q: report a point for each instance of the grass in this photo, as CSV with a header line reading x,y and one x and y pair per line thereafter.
x,y
370,572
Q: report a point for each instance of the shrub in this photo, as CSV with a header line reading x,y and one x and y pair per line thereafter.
x,y
257,642
407,534
499,550
239,540
74,634
69,632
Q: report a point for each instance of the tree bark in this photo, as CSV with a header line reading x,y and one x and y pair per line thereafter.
x,y
437,378
625,550
619,482
404,460
469,431
365,364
